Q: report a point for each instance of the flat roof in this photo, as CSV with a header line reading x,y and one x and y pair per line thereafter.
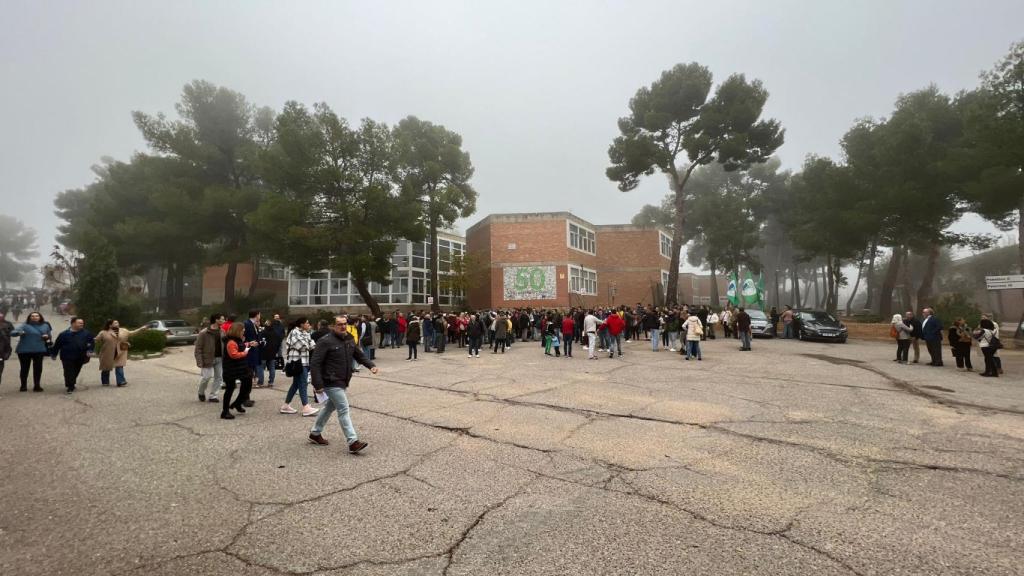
x,y
528,216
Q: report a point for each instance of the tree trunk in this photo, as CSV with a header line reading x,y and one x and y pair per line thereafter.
x,y
368,299
909,298
889,283
817,291
176,296
255,278
830,288
924,291
856,284
229,286
436,306
869,303
672,290
714,287
795,296
168,287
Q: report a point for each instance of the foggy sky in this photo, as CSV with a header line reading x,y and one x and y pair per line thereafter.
x,y
534,88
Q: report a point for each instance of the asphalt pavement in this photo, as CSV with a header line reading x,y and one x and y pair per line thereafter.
x,y
794,458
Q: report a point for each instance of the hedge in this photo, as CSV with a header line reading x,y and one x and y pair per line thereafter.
x,y
148,342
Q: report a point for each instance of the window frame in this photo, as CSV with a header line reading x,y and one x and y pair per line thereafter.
x,y
581,228
662,237
582,278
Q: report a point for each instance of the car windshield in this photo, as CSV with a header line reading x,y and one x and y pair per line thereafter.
x,y
175,324
757,315
820,317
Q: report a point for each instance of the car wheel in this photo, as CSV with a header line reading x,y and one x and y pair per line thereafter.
x,y
842,340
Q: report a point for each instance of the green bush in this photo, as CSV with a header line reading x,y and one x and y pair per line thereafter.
x,y
956,305
148,342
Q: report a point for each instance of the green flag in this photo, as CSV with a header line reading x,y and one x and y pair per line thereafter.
x,y
748,290
731,292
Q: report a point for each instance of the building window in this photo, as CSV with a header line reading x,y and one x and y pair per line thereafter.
x,y
582,239
582,280
664,282
266,270
665,244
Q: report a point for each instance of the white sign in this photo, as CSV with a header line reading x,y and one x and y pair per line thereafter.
x,y
430,300
1013,281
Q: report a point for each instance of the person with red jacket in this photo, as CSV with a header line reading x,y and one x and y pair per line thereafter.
x,y
403,324
615,325
567,334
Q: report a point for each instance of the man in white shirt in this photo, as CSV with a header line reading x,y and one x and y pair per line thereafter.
x,y
590,324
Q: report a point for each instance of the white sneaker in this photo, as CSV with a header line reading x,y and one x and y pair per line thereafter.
x,y
671,349
287,409
470,355
308,410
213,398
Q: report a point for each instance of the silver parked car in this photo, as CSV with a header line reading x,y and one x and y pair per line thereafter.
x,y
760,325
178,331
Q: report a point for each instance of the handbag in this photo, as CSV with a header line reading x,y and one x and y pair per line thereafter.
x,y
292,368
995,343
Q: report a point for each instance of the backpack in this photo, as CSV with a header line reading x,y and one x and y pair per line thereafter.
x,y
893,332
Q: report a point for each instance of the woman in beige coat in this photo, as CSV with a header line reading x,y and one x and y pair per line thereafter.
x,y
113,344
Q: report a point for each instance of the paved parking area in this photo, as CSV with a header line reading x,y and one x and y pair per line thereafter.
x,y
796,458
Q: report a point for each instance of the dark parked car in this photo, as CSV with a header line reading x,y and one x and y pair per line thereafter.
x,y
819,325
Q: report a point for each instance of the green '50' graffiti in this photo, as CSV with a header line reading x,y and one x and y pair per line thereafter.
x,y
534,278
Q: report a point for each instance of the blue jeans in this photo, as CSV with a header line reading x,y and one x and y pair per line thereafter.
x,y
299,382
336,401
268,364
745,339
655,338
693,349
118,376
787,330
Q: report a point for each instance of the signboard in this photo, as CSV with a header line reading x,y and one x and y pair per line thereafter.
x,y
1011,282
529,283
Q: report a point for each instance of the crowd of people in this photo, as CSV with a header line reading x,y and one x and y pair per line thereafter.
x,y
909,331
236,356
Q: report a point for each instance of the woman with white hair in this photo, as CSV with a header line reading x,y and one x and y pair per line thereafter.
x,y
902,331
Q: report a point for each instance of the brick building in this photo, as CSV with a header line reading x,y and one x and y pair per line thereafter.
x,y
557,259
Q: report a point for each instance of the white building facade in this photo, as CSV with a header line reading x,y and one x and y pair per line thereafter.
x,y
410,279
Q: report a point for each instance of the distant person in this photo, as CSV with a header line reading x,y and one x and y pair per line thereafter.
x,y
989,343
694,330
209,353
713,321
787,322
915,335
931,333
616,326
902,330
74,346
35,336
501,325
412,338
322,329
114,344
774,317
6,328
743,329
590,325
251,334
960,339
331,370
271,339
568,330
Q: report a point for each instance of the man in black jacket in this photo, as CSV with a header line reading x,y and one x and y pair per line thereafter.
x,y
75,346
331,370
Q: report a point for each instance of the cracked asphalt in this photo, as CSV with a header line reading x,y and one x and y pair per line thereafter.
x,y
796,458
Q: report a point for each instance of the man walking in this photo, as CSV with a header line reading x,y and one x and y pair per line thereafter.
x,y
615,325
210,359
74,345
931,332
743,329
590,324
331,370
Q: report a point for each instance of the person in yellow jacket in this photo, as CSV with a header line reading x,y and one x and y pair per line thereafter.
x,y
355,336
